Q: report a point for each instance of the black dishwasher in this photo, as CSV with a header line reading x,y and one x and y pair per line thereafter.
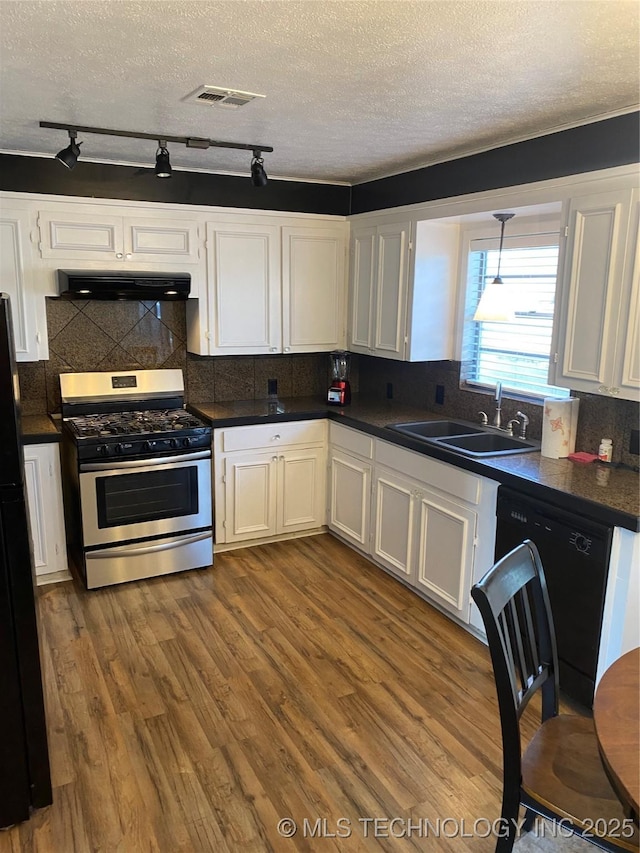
x,y
575,557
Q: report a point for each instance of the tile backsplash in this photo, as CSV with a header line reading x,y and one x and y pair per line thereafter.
x,y
130,335
85,336
416,383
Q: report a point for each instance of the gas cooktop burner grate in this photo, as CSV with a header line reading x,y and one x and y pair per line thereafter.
x,y
133,423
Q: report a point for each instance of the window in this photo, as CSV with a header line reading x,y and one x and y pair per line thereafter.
x,y
515,353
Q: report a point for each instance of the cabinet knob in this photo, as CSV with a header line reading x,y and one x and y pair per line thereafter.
x,y
614,391
273,349
281,458
602,389
274,458
276,437
287,349
129,256
118,254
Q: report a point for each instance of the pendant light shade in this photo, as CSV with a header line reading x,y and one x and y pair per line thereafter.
x,y
258,174
69,155
163,164
495,303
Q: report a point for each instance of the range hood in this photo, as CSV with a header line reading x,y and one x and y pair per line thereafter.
x,y
122,284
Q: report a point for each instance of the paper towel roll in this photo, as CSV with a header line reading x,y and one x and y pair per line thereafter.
x,y
559,427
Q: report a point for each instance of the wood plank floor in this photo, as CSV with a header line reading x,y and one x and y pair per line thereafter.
x,y
194,712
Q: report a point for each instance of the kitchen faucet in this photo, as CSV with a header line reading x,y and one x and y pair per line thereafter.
x,y
497,418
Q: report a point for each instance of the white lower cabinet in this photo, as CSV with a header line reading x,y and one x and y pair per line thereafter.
x,y
429,523
270,480
445,554
350,498
46,515
350,470
426,538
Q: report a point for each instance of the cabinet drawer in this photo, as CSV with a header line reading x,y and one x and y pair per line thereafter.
x,y
351,440
273,435
438,475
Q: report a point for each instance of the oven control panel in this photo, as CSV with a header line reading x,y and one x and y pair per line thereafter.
x,y
119,448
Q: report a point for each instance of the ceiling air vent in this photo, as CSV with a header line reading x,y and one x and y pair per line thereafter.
x,y
216,96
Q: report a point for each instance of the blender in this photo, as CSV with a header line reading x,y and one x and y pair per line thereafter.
x,y
340,390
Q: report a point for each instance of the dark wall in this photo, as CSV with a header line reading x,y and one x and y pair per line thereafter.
x,y
601,145
103,180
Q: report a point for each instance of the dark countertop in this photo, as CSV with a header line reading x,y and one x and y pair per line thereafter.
x,y
610,495
39,429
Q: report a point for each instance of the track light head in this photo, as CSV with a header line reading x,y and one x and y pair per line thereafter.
x,y
258,174
163,164
69,155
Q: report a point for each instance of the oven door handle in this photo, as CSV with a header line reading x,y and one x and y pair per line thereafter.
x,y
130,550
116,465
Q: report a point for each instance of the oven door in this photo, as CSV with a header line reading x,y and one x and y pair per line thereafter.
x,y
136,499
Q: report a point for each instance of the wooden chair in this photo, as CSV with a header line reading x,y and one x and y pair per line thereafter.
x,y
559,775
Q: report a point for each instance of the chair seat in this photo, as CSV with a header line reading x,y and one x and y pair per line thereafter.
x,y
562,770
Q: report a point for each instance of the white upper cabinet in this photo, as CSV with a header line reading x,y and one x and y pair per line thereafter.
x,y
313,289
402,289
378,289
244,288
596,331
18,280
271,288
86,232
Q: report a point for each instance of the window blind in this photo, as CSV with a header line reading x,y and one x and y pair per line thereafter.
x,y
515,353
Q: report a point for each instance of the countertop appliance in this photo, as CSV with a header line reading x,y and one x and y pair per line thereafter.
x,y
123,284
136,475
25,780
575,556
340,390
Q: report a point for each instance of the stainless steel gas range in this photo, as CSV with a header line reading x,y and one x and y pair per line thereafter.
x,y
137,476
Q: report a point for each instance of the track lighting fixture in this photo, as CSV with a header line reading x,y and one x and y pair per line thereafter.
x,y
258,174
69,156
495,305
163,164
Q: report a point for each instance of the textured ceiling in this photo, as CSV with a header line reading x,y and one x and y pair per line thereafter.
x,y
355,89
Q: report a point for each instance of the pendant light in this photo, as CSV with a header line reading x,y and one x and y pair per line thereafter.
x,y
163,164
495,304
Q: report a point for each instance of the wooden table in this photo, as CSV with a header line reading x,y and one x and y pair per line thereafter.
x,y
616,714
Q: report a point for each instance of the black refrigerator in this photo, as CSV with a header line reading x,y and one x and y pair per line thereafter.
x,y
25,780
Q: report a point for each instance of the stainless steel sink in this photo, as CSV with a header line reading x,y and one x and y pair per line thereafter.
x,y
489,444
435,429
469,439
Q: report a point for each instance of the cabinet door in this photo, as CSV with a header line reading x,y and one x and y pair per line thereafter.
x,y
350,498
301,490
394,520
627,377
44,497
362,290
445,552
591,281
80,235
16,279
391,290
313,289
161,240
250,496
244,289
